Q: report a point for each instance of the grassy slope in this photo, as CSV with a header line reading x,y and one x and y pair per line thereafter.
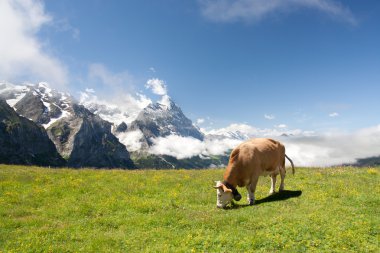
x,y
66,210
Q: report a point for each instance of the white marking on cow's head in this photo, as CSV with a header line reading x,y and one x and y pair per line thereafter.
x,y
224,195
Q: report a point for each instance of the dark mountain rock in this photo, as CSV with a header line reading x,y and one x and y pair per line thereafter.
x,y
80,137
144,160
32,107
24,142
85,140
42,104
121,127
368,162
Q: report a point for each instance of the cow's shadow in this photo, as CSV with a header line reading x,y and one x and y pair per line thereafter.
x,y
278,196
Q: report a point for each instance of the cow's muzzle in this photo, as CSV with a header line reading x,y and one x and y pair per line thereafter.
x,y
237,196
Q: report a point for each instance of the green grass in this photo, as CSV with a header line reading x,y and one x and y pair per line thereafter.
x,y
65,210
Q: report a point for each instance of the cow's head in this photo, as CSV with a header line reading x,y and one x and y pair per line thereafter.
x,y
224,195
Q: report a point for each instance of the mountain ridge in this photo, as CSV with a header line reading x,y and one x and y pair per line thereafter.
x,y
81,137
24,142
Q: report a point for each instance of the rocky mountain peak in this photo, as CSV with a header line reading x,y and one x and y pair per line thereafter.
x,y
37,102
158,120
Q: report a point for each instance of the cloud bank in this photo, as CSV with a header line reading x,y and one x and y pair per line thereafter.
x,y
304,147
132,140
217,141
256,10
23,54
186,147
334,149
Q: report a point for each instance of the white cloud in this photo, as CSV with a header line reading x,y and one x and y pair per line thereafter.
x,y
217,141
186,147
64,25
334,149
24,55
116,81
305,148
333,114
200,121
152,69
269,116
165,100
157,86
220,146
117,101
132,140
177,146
281,126
123,109
256,10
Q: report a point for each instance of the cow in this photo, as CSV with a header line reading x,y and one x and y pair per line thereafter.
x,y
249,160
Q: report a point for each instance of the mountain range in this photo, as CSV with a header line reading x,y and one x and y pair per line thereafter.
x,y
43,126
24,142
82,138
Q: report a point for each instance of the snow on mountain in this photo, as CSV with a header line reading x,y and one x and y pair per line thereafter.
x,y
12,93
124,109
159,120
244,132
81,137
37,102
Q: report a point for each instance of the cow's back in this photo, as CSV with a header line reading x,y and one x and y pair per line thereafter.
x,y
255,156
268,154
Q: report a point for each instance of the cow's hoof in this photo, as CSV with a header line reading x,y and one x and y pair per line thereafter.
x,y
272,192
251,202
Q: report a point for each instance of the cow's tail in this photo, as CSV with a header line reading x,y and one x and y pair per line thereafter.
x,y
291,162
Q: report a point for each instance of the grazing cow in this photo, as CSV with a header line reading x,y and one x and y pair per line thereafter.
x,y
251,159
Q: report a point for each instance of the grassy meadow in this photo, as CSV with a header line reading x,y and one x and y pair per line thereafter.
x,y
67,210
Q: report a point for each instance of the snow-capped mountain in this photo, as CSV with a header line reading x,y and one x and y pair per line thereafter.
x,y
81,137
159,120
124,108
235,135
92,132
244,132
13,93
37,102
239,132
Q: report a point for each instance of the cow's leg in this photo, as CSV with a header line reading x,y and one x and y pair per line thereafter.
x,y
250,195
273,178
251,188
282,173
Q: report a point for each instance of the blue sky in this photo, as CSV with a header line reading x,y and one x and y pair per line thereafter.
x,y
307,64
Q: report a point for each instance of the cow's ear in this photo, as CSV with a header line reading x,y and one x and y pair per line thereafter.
x,y
218,184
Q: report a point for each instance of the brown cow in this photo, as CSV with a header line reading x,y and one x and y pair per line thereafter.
x,y
251,159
